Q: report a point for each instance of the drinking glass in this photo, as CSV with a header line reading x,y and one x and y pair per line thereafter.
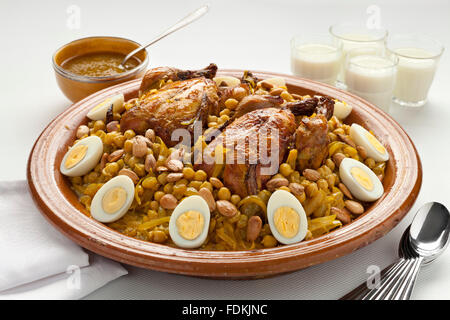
x,y
371,74
418,58
353,35
315,57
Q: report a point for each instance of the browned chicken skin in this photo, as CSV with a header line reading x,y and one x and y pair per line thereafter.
x,y
153,76
191,97
244,137
311,140
256,113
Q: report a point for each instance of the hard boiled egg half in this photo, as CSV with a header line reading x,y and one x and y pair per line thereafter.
x,y
189,222
364,138
287,219
341,109
113,199
360,180
82,157
100,110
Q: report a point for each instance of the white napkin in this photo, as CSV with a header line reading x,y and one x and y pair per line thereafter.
x,y
31,249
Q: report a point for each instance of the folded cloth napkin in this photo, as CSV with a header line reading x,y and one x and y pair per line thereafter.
x,y
31,249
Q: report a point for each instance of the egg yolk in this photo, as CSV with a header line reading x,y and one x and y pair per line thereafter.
x,y
114,199
287,221
375,143
75,155
101,104
190,224
362,178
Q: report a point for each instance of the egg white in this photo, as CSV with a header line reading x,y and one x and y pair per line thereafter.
x,y
90,159
100,110
358,191
275,81
358,135
341,110
230,81
282,198
97,211
195,203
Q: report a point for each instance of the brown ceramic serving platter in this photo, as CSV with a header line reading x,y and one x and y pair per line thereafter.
x,y
59,204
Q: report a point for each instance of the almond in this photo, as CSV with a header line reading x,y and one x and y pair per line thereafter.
x,y
139,146
345,190
311,174
341,214
254,226
168,201
174,165
116,155
275,183
354,207
112,126
337,158
206,194
129,173
173,177
296,188
226,208
150,163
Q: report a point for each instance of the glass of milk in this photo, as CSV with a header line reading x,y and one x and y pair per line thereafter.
x,y
315,57
418,58
370,73
353,35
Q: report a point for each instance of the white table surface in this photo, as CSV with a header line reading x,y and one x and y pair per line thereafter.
x,y
235,34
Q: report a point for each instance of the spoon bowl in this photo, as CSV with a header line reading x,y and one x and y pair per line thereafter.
x,y
429,231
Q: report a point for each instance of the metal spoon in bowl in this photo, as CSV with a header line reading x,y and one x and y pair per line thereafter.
x,y
180,24
422,242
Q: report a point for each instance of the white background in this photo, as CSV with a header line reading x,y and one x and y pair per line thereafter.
x,y
235,34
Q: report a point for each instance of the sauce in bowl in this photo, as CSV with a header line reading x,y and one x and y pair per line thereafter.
x,y
99,64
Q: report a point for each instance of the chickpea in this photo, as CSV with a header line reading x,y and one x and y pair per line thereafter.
x,y
235,199
129,134
285,169
149,183
231,103
168,188
158,195
239,93
190,191
152,214
179,190
99,125
330,164
370,163
212,118
82,131
128,146
111,168
264,195
269,241
322,184
154,205
200,175
139,169
195,184
224,194
188,173
159,236
224,112
162,178
119,140
207,185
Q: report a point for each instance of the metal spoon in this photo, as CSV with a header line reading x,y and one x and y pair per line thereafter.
x,y
421,243
180,24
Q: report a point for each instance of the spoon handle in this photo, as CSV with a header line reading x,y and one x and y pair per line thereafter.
x,y
363,289
180,24
405,291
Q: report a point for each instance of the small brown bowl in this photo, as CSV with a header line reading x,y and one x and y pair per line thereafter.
x,y
76,87
60,205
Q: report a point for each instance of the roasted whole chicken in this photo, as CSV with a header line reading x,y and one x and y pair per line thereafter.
x,y
246,149
190,96
260,134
